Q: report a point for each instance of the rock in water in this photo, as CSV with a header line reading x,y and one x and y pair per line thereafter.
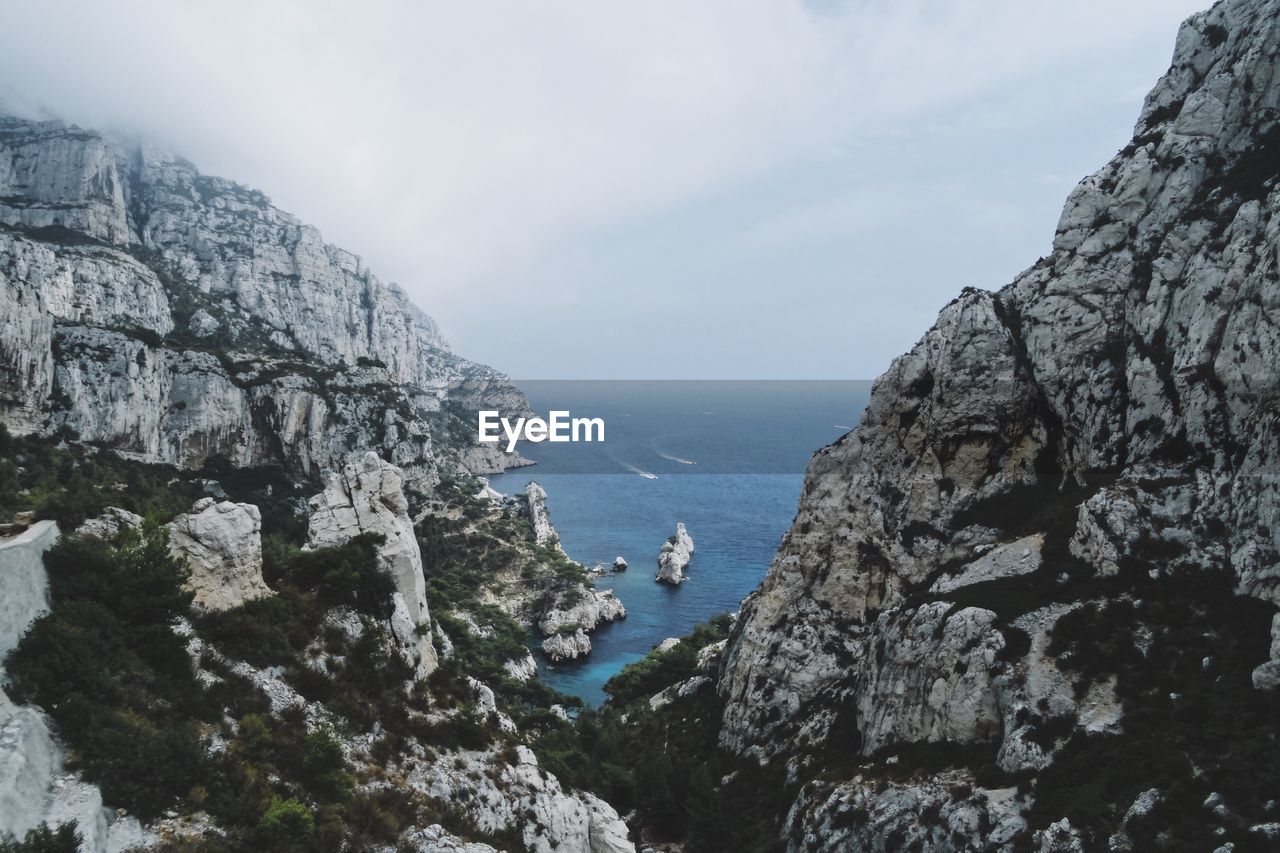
x,y
368,497
560,647
674,557
619,564
222,542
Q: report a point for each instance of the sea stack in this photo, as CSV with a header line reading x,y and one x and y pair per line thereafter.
x,y
674,557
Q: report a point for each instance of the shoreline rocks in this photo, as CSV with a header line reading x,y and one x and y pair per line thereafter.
x,y
674,557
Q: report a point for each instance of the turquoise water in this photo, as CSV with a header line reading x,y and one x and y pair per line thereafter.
x,y
753,438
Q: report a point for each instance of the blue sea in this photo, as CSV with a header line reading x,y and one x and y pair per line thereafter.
x,y
727,458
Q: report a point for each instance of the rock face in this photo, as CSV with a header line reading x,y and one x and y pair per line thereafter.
x,y
35,786
222,543
1105,423
367,496
674,557
172,316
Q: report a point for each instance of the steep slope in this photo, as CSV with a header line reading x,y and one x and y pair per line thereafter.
x,y
172,316
1076,467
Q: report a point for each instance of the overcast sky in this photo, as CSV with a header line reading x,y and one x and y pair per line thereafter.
x,y
711,189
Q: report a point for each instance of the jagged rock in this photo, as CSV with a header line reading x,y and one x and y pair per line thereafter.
x,y
524,796
521,669
124,264
109,523
1020,557
678,691
367,497
619,564
1106,416
222,543
926,814
544,532
1060,837
594,608
668,644
560,647
674,557
709,656
434,839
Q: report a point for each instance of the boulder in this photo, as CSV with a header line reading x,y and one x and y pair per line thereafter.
x,y
619,564
222,543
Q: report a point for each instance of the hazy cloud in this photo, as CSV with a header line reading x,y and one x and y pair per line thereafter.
x,y
511,164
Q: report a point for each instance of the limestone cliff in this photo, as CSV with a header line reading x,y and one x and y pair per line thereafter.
x,y
172,316
1073,451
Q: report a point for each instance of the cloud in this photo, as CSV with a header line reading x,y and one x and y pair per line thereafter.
x,y
457,145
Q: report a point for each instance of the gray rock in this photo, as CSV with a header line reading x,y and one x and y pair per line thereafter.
x,y
222,543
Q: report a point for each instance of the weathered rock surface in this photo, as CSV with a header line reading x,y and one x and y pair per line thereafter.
x,y
560,647
222,543
109,523
674,557
525,796
619,564
172,316
594,608
1106,419
35,786
367,497
544,532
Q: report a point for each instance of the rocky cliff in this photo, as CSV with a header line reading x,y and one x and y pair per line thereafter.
x,y
172,316
1065,487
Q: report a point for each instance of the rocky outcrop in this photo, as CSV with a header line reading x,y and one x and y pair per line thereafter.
x,y
222,544
110,523
524,796
572,644
593,608
544,532
619,564
367,497
674,557
567,623
1099,433
172,316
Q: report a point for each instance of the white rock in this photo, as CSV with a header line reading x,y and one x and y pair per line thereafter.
x,y
222,543
674,557
110,523
367,498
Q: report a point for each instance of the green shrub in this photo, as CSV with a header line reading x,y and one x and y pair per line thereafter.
x,y
43,839
285,825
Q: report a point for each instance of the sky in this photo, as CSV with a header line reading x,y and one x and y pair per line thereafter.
x,y
667,189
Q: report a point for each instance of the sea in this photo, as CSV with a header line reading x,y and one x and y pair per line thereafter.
x,y
726,458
